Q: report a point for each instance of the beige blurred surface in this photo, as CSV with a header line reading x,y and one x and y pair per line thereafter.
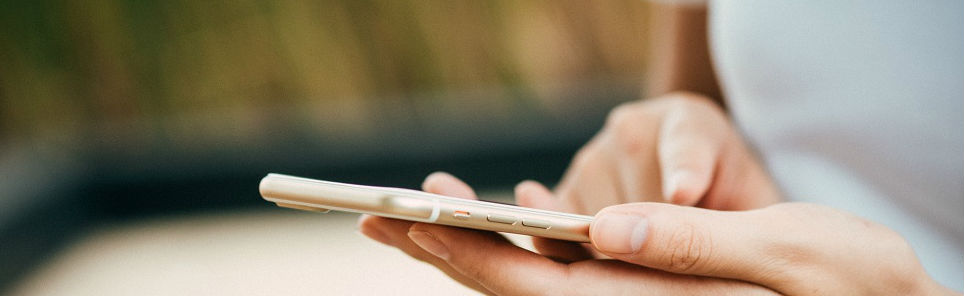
x,y
263,252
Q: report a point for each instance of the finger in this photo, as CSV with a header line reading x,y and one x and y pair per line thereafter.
x,y
371,228
694,241
491,260
631,135
438,183
689,148
532,194
591,182
748,185
445,184
612,277
395,233
505,269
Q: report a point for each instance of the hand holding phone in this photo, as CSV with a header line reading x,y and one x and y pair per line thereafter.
x,y
322,196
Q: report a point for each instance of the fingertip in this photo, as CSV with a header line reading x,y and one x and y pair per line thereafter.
x,y
533,194
428,242
446,184
459,237
561,251
440,239
362,220
526,185
365,221
486,257
439,174
432,180
434,229
616,232
419,226
685,188
370,227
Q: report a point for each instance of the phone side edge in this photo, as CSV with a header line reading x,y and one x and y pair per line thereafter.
x,y
513,219
305,194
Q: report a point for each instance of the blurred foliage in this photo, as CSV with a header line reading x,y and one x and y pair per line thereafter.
x,y
181,71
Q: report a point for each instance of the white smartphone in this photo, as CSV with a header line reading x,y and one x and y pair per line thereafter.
x,y
413,205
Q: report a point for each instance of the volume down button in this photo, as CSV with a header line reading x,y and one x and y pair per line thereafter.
x,y
535,223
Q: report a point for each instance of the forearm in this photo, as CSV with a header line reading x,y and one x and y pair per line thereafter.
x,y
679,57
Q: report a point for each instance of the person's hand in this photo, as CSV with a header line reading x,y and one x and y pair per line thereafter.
x,y
488,263
679,148
791,248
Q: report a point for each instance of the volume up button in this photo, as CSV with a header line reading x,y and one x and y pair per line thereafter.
x,y
501,219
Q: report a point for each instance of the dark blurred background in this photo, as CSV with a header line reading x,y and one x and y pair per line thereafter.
x,y
112,111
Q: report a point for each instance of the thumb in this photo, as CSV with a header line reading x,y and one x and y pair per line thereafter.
x,y
687,240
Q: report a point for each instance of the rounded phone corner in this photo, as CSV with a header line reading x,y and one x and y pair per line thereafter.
x,y
264,187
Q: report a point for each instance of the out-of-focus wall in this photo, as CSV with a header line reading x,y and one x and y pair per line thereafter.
x,y
117,109
187,73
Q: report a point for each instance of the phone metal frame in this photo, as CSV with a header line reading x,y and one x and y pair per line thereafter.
x,y
406,204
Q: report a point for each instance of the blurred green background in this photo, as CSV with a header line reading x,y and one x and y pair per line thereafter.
x,y
115,110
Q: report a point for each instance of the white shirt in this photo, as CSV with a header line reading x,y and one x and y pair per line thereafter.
x,y
858,105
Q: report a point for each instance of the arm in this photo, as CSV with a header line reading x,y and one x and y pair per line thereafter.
x,y
680,55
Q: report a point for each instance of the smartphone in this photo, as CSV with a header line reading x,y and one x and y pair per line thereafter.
x,y
406,204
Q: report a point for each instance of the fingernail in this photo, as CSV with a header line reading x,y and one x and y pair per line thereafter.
x,y
523,187
429,243
523,193
446,184
439,174
668,188
619,233
432,179
672,185
528,185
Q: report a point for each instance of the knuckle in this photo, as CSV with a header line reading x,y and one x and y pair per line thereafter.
x,y
888,241
632,141
695,104
586,156
785,255
622,115
688,250
629,127
690,99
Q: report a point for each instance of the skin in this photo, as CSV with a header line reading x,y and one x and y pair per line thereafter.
x,y
490,264
743,242
682,207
